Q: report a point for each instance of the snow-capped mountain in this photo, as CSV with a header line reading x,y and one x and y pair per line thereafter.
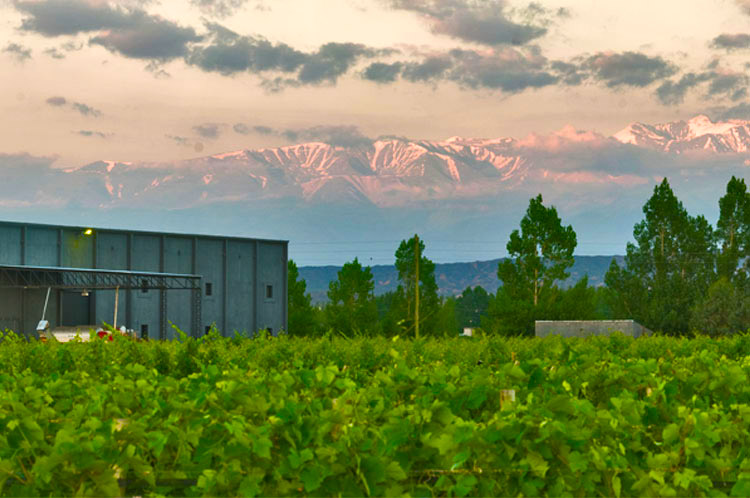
x,y
698,133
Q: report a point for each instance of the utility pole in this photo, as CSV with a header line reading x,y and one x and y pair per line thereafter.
x,y
416,296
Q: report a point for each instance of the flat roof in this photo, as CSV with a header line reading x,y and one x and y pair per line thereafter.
x,y
142,232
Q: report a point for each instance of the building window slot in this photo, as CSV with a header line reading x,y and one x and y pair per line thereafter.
x,y
269,291
144,286
144,331
209,289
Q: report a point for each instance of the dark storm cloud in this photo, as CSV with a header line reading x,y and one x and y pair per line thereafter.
x,y
56,101
130,32
229,53
241,128
487,22
331,61
219,8
510,71
91,133
85,109
732,85
628,69
151,39
429,69
731,42
66,17
381,72
671,93
569,74
19,52
207,130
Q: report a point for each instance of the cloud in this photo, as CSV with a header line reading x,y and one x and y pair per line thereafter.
x,y
207,130
381,72
241,128
85,110
55,53
331,61
56,101
721,83
263,130
219,8
92,133
59,101
569,74
508,70
336,135
130,32
628,68
739,111
19,52
485,22
229,53
671,93
179,140
731,42
429,69
151,39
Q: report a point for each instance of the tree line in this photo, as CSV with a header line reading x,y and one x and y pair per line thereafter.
x,y
681,276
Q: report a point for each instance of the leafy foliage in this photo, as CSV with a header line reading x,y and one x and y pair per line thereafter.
x,y
404,302
352,307
303,318
733,232
669,269
605,416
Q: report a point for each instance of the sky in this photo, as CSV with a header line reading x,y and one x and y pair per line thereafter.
x,y
150,80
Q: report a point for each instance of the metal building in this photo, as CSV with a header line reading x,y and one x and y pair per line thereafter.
x,y
81,275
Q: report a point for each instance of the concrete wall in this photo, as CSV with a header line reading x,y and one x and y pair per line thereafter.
x,y
240,273
583,328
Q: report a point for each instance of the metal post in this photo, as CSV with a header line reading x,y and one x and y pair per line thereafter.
x,y
46,300
117,300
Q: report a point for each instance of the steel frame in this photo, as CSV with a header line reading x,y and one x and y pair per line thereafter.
x,y
40,277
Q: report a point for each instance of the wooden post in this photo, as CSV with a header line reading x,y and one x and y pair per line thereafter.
x,y
416,286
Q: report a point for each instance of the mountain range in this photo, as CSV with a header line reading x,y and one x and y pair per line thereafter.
x,y
454,190
453,278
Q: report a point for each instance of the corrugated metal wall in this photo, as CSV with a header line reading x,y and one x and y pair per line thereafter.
x,y
243,286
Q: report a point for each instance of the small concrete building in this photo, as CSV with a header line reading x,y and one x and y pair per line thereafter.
x,y
584,328
79,275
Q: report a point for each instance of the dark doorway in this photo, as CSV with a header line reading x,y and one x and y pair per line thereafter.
x,y
76,309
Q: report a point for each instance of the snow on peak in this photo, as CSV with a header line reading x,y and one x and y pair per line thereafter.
x,y
702,125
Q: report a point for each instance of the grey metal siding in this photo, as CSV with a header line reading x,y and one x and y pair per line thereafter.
x,y
178,258
237,269
41,247
240,287
10,246
209,262
146,254
271,273
111,253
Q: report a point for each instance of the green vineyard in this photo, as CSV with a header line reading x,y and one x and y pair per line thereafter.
x,y
489,416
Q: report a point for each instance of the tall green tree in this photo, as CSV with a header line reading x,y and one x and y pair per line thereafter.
x,y
351,308
725,310
538,255
429,302
668,269
303,318
471,305
733,232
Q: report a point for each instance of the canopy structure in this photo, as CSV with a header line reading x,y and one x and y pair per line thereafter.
x,y
85,279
